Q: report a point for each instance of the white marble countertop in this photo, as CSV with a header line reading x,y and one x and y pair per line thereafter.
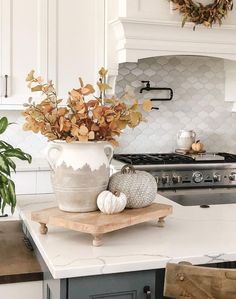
x,y
191,234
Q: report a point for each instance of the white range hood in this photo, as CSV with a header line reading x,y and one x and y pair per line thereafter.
x,y
136,39
133,33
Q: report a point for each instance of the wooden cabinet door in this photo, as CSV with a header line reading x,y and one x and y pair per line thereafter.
x,y
75,42
21,47
114,286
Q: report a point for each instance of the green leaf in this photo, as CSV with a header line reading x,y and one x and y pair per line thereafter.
x,y
12,194
3,206
11,164
4,167
5,195
3,124
18,153
4,145
8,195
3,179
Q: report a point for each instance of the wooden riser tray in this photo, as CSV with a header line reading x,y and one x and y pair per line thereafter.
x,y
97,223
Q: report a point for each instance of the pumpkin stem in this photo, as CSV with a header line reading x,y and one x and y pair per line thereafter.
x,y
127,169
116,193
198,141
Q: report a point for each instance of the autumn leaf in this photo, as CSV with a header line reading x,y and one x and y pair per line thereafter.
x,y
134,106
36,88
95,127
110,101
97,112
83,138
122,124
39,79
103,86
135,118
61,111
81,82
70,139
30,76
75,131
102,72
92,103
61,123
83,130
91,135
51,136
87,89
114,142
75,93
73,120
147,105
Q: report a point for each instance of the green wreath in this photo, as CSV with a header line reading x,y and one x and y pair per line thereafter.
x,y
200,14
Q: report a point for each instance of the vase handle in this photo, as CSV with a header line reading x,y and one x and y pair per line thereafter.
x,y
49,156
110,151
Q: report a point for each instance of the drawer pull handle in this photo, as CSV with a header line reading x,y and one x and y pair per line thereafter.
x,y
6,85
147,291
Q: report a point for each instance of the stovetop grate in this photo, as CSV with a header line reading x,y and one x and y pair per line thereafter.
x,y
169,158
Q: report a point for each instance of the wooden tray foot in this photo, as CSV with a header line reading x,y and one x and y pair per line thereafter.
x,y
97,240
161,222
43,228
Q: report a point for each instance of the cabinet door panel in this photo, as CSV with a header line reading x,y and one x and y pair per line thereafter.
x,y
112,286
21,49
76,32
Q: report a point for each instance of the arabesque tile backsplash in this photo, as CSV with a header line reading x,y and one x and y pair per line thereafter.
x,y
198,104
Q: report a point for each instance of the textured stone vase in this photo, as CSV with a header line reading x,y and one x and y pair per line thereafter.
x,y
80,171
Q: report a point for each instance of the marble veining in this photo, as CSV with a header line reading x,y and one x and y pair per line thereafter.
x,y
191,234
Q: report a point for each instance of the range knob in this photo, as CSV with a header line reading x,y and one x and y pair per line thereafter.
x,y
157,179
176,179
165,179
216,177
232,176
197,177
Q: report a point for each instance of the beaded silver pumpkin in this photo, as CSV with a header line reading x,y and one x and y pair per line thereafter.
x,y
139,187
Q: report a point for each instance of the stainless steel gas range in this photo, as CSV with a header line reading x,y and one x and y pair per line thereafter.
x,y
202,179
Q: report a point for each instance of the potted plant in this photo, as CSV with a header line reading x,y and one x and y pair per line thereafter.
x,y
7,164
79,132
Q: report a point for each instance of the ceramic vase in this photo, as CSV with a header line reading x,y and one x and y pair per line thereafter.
x,y
80,171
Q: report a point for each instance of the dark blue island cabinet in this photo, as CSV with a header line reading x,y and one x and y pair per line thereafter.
x,y
132,285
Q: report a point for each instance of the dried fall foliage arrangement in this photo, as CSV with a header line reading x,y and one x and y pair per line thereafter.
x,y
85,117
200,14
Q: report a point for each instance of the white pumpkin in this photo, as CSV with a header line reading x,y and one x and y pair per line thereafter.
x,y
110,203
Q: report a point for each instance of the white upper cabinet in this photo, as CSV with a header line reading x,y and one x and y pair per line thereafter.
x,y
75,42
20,47
60,39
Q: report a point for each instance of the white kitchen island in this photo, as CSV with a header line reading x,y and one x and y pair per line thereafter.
x,y
193,234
